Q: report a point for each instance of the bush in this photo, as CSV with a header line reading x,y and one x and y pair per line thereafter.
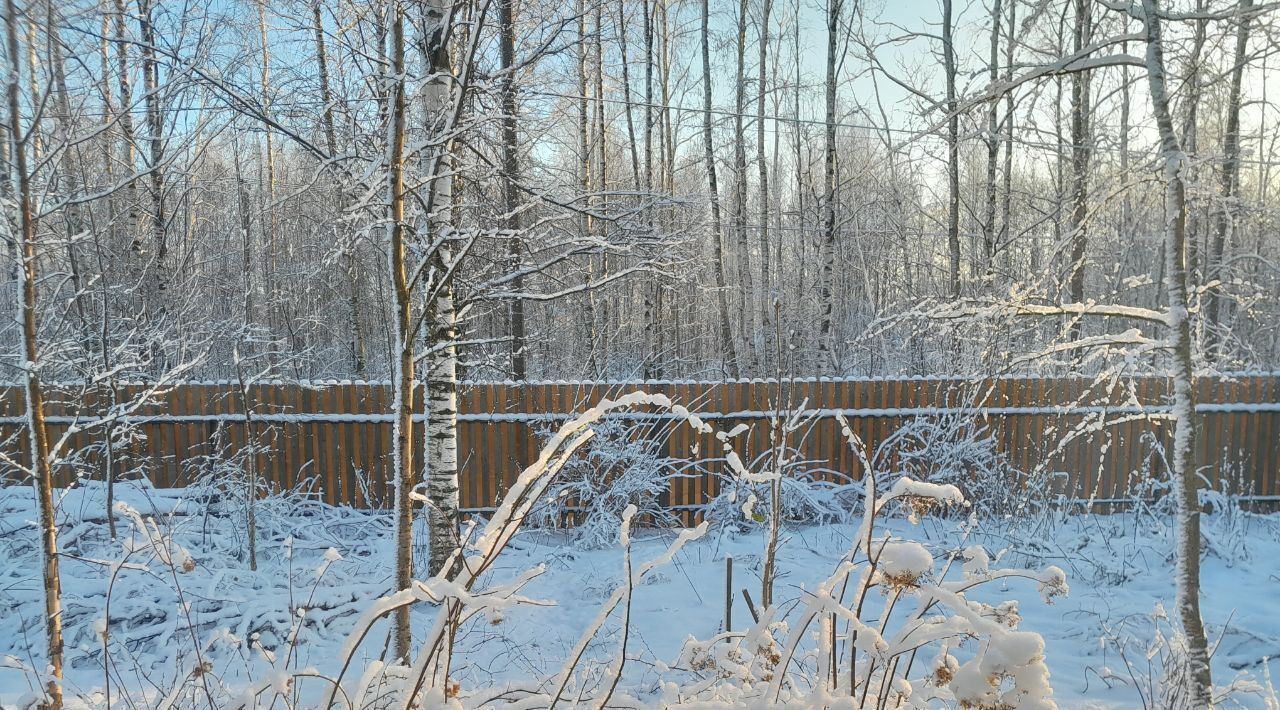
x,y
959,450
622,465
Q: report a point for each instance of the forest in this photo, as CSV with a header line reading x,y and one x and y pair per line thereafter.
x,y
216,209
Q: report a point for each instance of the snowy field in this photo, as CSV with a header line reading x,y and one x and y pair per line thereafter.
x,y
1102,641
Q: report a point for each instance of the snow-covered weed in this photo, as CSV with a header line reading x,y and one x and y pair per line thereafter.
x,y
924,644
1153,653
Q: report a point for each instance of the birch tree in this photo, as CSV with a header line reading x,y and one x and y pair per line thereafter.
x,y
1178,317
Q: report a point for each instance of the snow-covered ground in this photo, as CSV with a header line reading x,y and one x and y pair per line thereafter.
x,y
1119,569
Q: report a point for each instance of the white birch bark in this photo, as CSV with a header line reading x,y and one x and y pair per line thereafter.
x,y
1182,461
441,435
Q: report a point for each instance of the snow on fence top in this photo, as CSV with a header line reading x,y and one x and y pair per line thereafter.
x,y
636,383
336,436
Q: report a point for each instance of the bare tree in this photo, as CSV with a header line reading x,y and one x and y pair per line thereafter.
x,y
1080,140
827,252
728,351
39,450
1229,176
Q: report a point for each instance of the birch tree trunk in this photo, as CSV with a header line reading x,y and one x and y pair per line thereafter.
x,y
38,435
766,285
993,146
1182,463
510,179
604,328
1006,202
628,105
587,226
441,434
128,156
155,159
269,218
727,350
747,312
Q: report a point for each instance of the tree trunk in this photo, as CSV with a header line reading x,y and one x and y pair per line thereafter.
x,y
128,156
713,193
627,105
826,294
269,218
1193,82
155,129
1182,462
585,173
766,285
403,453
510,179
38,434
746,305
1080,138
356,344
953,151
1006,203
1229,179
993,147
604,328
441,434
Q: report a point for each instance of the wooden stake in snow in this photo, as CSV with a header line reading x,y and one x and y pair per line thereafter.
x,y
728,593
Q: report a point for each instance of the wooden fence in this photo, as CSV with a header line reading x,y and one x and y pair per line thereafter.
x,y
335,438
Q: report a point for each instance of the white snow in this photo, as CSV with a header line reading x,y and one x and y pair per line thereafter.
x,y
325,571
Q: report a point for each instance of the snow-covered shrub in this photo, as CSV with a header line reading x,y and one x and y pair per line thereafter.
x,y
621,466
958,449
811,494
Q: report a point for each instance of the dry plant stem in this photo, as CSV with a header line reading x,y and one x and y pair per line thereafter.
x,y
167,559
106,619
626,625
567,672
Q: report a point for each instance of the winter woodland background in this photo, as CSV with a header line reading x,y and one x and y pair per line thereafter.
x,y
203,177
436,192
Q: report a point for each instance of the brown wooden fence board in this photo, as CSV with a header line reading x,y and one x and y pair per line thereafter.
x,y
309,434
